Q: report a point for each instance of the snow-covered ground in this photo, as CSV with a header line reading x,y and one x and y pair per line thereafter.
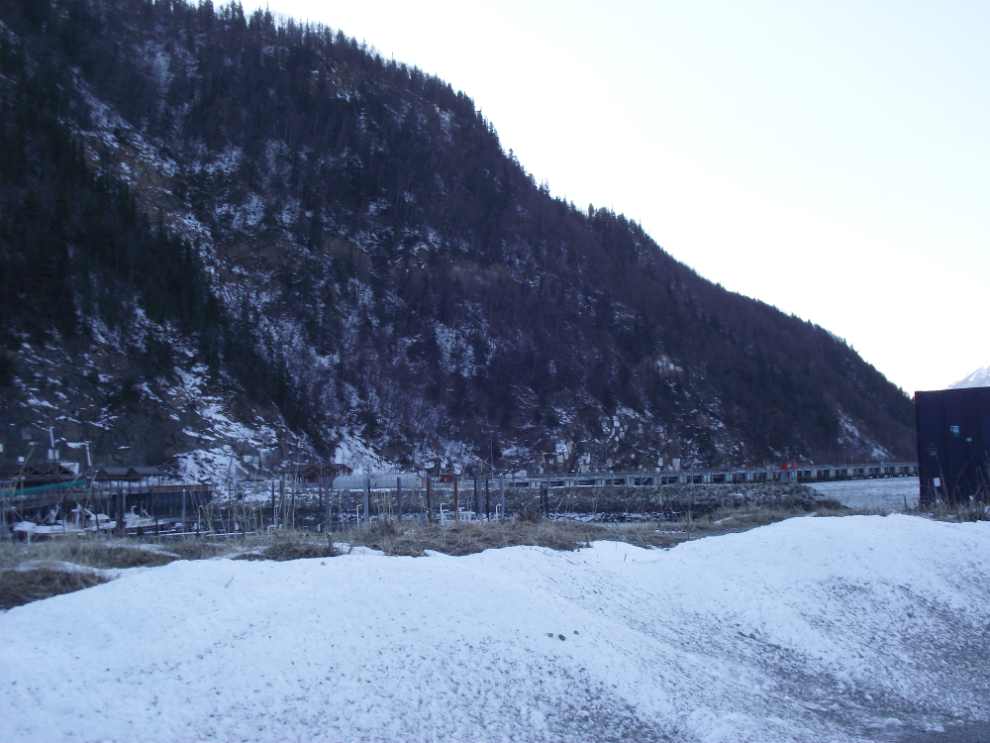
x,y
885,496
812,629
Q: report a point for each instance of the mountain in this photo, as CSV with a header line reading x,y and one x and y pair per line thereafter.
x,y
227,239
979,378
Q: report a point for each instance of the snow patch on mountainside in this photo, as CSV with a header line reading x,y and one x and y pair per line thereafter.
x,y
859,443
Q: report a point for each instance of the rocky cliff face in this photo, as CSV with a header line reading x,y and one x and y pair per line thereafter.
x,y
224,238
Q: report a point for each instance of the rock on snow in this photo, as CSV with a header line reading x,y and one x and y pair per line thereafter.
x,y
811,629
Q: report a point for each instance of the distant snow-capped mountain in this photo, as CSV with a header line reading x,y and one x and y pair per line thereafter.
x,y
979,378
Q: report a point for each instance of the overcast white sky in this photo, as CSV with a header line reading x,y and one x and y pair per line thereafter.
x,y
830,158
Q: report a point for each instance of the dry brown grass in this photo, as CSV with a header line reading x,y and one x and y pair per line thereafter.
x,y
470,537
732,520
974,510
648,535
290,545
102,554
727,520
410,538
19,587
465,538
202,548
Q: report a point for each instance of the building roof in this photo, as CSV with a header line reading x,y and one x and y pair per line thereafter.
x,y
115,472
38,472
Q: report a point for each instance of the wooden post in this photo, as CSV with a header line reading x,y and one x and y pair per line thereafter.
x,y
545,498
274,511
120,511
501,495
457,511
487,501
477,498
398,499
292,504
327,495
429,499
367,500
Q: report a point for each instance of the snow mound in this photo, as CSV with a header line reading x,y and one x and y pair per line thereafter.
x,y
811,629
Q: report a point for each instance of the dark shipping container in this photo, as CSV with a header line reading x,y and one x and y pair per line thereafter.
x,y
953,444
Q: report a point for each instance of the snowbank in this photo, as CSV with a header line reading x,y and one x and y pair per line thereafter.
x,y
811,629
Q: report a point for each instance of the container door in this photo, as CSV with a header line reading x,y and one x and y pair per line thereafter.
x,y
931,444
982,439
956,451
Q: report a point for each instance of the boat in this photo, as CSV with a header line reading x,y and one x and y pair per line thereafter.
x,y
83,521
52,526
143,523
94,522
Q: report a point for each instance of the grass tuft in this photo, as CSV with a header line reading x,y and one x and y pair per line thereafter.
x,y
19,587
293,546
470,537
202,548
972,510
104,555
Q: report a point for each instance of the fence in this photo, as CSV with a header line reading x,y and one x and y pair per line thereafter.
x,y
346,502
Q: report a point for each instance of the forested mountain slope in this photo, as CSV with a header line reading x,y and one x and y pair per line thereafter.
x,y
222,231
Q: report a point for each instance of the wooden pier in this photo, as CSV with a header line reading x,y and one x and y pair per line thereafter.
x,y
800,473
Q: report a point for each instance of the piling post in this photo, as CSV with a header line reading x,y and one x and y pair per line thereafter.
x,y
292,503
501,495
367,499
120,511
398,499
457,510
429,500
